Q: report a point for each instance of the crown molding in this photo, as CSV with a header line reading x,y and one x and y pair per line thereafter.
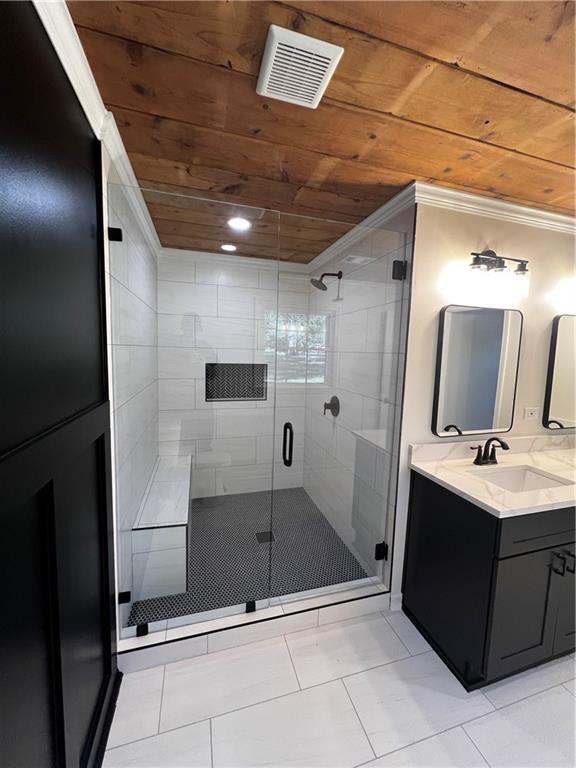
x,y
60,28
401,202
492,207
123,175
422,193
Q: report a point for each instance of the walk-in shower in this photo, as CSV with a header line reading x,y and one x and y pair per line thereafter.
x,y
235,488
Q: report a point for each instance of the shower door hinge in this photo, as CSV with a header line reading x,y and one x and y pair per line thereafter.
x,y
115,234
399,270
381,551
124,597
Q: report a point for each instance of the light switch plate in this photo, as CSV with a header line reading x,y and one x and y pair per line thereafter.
x,y
531,412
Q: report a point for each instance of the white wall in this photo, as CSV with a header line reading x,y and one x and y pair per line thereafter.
x,y
215,309
443,241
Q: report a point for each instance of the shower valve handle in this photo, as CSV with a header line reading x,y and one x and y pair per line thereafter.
x,y
333,406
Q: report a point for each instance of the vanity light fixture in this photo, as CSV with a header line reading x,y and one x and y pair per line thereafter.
x,y
239,224
490,261
228,247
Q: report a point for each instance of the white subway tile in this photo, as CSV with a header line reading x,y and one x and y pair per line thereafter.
x,y
351,329
176,394
233,451
186,298
242,423
245,302
203,483
181,363
176,330
132,321
219,332
178,267
186,425
133,369
225,274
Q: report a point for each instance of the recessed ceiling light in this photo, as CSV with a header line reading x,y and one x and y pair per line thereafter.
x,y
228,247
239,224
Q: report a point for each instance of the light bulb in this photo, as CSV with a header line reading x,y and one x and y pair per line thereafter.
x,y
239,224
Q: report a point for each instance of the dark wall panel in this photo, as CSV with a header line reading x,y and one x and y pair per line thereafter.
x,y
58,674
27,656
50,307
83,593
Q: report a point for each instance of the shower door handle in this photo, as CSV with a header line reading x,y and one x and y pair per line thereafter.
x,y
287,444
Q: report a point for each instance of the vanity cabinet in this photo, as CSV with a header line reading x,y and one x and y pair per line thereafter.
x,y
492,595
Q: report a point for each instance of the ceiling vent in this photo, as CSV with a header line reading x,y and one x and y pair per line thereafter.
x,y
296,68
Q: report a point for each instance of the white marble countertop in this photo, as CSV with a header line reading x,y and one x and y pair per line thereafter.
x,y
453,472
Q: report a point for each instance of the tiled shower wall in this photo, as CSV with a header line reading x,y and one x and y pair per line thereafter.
x,y
349,461
132,280
211,310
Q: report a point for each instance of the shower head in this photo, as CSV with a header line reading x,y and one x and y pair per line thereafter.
x,y
320,284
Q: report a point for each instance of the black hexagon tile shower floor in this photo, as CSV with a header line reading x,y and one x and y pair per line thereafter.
x,y
228,565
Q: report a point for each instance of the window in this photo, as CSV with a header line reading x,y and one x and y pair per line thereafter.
x,y
300,346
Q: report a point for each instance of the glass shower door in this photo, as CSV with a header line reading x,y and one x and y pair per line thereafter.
x,y
338,394
193,381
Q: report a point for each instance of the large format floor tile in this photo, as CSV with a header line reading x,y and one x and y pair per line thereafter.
x,y
187,747
316,727
530,682
538,731
138,707
451,749
334,650
411,700
221,682
407,632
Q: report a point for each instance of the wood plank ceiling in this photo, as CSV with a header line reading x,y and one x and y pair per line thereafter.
x,y
477,96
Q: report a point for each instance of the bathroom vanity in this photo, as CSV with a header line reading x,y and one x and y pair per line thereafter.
x,y
489,563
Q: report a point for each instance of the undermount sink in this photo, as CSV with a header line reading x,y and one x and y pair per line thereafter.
x,y
519,479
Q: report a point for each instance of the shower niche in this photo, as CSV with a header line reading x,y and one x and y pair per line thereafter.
x,y
236,381
212,357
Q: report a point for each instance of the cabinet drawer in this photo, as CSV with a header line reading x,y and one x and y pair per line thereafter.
x,y
529,533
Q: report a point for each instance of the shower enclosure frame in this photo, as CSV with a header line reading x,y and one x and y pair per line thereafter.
x,y
334,595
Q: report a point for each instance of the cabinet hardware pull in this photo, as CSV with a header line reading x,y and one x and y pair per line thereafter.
x,y
563,562
571,556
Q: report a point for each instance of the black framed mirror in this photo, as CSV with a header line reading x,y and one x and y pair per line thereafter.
x,y
560,397
476,370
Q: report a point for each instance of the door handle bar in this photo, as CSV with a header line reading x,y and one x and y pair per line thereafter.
x,y
287,444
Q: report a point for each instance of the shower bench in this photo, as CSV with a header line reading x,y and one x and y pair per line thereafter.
x,y
160,533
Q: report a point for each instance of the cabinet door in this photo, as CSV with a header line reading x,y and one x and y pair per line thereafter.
x,y
564,636
523,612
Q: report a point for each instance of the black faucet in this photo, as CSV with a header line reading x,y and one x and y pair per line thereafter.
x,y
448,427
487,455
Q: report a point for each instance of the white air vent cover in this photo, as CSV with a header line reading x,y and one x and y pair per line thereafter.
x,y
296,68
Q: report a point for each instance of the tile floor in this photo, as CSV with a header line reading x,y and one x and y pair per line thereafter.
x,y
365,691
228,566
